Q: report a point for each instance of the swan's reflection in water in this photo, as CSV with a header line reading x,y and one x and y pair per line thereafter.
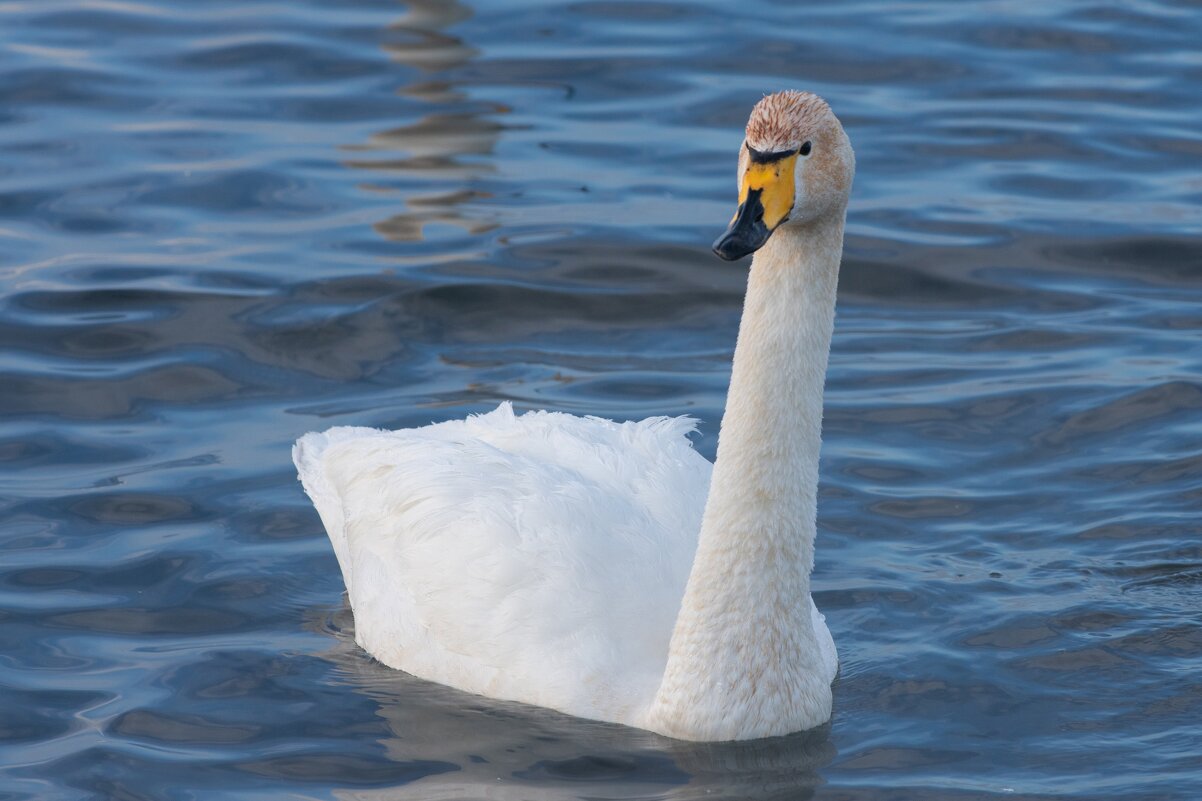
x,y
513,752
435,151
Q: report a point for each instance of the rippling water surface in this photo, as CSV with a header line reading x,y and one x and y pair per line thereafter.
x,y
225,223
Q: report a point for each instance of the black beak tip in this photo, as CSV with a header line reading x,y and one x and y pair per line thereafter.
x,y
747,231
731,247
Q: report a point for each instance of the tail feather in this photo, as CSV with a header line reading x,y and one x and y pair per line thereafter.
x,y
307,455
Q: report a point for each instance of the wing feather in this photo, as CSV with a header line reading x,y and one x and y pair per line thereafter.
x,y
540,558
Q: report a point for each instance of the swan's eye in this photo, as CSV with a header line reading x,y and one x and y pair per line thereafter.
x,y
805,149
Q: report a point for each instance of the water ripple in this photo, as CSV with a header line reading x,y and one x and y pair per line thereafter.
x,y
224,224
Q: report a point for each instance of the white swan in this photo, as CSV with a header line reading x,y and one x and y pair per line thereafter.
x,y
577,563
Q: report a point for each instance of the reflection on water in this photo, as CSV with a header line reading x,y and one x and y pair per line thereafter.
x,y
434,152
224,224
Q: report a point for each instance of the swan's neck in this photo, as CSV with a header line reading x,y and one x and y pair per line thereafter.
x,y
745,660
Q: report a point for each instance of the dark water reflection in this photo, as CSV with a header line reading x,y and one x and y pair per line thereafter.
x,y
224,224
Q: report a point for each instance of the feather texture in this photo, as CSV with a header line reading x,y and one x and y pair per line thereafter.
x,y
538,558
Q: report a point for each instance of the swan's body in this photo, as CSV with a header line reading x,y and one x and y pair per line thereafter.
x,y
604,569
539,557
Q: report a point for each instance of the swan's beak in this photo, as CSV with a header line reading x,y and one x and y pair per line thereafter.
x,y
765,200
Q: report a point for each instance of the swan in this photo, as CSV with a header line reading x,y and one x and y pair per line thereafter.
x,y
607,570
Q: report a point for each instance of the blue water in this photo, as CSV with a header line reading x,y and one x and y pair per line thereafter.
x,y
225,223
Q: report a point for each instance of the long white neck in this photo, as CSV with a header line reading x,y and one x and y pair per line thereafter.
x,y
744,660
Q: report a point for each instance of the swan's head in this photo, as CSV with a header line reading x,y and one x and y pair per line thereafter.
x,y
795,166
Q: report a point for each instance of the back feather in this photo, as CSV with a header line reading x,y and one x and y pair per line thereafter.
x,y
456,540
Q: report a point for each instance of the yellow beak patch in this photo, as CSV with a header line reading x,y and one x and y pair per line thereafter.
x,y
775,180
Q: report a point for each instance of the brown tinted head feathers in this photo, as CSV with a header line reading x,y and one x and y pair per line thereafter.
x,y
784,120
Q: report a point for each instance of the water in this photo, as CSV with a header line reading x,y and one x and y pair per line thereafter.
x,y
225,223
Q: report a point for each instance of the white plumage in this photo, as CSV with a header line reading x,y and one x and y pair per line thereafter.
x,y
538,558
605,569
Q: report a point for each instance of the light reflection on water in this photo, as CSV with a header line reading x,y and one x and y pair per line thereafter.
x,y
224,224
